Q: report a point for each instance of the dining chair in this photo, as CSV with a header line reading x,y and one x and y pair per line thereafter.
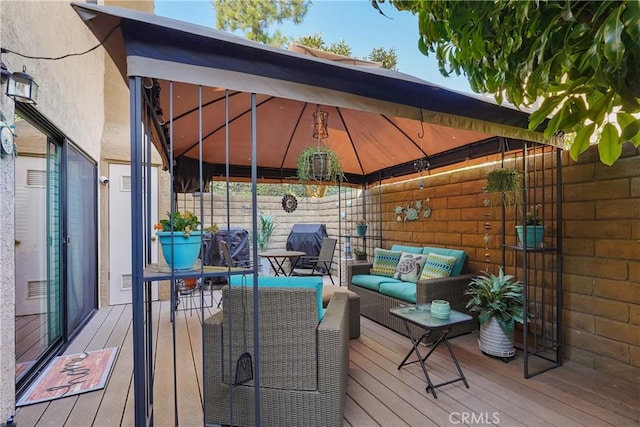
x,y
321,264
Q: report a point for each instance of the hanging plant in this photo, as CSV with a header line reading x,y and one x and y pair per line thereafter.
x,y
319,163
505,184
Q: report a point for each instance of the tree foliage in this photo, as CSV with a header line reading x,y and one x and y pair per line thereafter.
x,y
255,17
387,57
576,62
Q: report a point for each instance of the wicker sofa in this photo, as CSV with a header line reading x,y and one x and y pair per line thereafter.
x,y
375,303
303,362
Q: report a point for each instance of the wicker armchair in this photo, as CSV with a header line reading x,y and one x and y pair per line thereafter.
x,y
303,364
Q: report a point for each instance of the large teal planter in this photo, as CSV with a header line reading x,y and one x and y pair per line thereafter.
x,y
185,250
535,234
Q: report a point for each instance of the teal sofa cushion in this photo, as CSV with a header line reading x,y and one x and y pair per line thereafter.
x,y
372,281
311,282
461,257
404,290
410,249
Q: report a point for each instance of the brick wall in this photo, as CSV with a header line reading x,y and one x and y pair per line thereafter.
x,y
601,248
601,213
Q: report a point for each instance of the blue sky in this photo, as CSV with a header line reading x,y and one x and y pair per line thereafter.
x,y
355,21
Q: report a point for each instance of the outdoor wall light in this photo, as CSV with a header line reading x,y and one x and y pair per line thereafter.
x,y
21,87
4,73
320,120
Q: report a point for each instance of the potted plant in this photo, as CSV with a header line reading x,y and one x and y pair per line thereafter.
x,y
179,239
531,234
505,184
499,302
319,163
265,230
360,253
361,227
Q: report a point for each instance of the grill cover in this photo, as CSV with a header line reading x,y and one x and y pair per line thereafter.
x,y
238,241
306,238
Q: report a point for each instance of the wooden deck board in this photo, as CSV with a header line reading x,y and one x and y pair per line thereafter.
x,y
378,393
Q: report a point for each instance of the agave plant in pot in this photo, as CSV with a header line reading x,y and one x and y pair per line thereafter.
x,y
180,239
499,302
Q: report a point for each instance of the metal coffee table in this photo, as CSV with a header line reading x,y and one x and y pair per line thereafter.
x,y
420,315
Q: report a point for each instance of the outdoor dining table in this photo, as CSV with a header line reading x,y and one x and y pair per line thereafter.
x,y
277,258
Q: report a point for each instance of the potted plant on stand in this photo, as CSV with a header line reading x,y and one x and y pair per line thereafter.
x,y
180,239
499,300
360,253
361,227
265,230
531,234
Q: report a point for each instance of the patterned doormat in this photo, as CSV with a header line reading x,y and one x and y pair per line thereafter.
x,y
71,374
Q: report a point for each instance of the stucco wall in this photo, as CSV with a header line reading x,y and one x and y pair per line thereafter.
x,y
115,147
72,97
71,89
7,288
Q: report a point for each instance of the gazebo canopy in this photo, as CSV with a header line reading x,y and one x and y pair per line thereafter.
x,y
380,122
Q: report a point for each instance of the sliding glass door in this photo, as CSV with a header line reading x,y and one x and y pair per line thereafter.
x,y
81,238
56,273
38,256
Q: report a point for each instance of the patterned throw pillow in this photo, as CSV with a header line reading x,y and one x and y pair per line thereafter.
x,y
437,266
410,266
385,262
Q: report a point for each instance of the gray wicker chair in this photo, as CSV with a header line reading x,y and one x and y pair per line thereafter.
x,y
303,364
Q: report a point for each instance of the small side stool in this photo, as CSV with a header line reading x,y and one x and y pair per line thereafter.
x,y
353,304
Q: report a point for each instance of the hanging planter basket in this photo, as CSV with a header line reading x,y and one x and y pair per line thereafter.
x,y
320,166
319,163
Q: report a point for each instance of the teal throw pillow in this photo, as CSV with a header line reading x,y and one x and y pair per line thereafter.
x,y
410,266
385,262
437,266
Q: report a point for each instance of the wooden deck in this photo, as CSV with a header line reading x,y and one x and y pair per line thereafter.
x,y
378,393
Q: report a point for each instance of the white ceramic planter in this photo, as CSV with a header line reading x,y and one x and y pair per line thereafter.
x,y
494,341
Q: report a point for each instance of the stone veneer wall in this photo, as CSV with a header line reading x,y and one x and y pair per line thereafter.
x,y
601,280
601,248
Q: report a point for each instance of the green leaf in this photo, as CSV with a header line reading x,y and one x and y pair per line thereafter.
x,y
609,145
544,111
631,132
581,141
612,36
600,107
422,47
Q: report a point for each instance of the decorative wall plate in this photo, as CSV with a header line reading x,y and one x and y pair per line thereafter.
x,y
289,203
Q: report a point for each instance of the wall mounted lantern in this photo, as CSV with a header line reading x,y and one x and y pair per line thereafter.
x,y
21,87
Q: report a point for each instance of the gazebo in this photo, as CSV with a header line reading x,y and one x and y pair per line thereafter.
x,y
216,106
